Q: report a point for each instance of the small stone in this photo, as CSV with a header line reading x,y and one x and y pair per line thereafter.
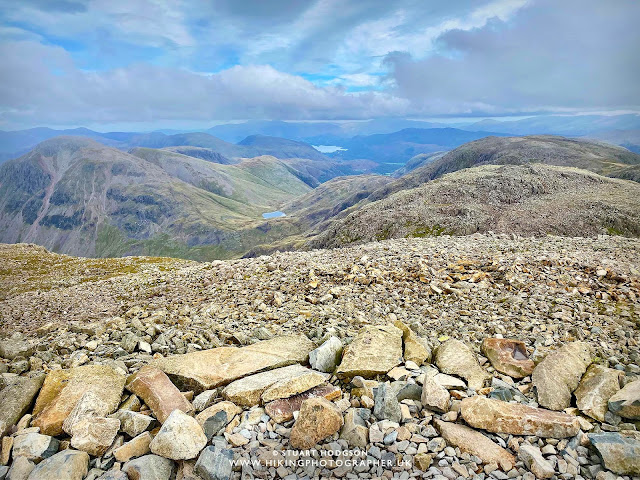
x,y
619,454
386,405
214,463
435,396
95,435
626,402
157,391
281,410
318,419
149,467
508,356
133,423
180,438
517,419
475,443
230,408
204,400
535,462
423,461
558,375
327,356
597,386
416,349
354,430
456,358
34,446
237,439
136,447
374,351
67,464
214,424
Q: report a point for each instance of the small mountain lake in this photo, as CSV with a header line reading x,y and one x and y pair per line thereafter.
x,y
275,214
329,148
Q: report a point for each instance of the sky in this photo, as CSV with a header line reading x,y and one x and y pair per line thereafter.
x,y
181,63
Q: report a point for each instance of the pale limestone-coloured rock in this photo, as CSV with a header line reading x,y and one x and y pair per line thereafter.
x,y
281,410
502,417
63,388
180,438
626,402
16,397
597,386
136,447
94,435
318,419
535,462
133,423
327,356
67,464
508,356
475,443
230,408
149,467
416,349
354,430
12,348
34,446
89,405
375,350
558,375
204,399
449,382
157,391
287,381
20,469
434,396
199,371
619,454
456,358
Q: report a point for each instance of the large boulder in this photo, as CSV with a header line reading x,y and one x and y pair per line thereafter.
x,y
619,454
558,375
62,389
626,402
475,443
508,356
180,438
597,386
199,371
318,419
517,419
95,435
267,386
456,358
157,391
16,398
67,464
374,351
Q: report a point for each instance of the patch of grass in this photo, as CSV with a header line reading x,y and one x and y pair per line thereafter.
x,y
424,231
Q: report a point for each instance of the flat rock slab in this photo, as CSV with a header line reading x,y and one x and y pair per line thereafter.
x,y
597,386
619,454
374,351
508,356
16,398
456,358
475,443
266,386
281,410
63,388
558,375
199,371
157,391
626,402
517,419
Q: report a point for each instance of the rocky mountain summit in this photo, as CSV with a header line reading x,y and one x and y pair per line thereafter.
x,y
485,356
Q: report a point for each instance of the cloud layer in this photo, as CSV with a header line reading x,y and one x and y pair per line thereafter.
x,y
149,61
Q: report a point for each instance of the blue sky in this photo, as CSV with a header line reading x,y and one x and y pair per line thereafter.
x,y
181,63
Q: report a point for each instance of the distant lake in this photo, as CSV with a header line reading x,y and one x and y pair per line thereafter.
x,y
329,148
273,214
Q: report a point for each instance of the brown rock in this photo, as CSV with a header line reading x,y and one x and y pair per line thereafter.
x,y
423,461
508,356
517,419
558,375
16,397
157,391
374,351
63,388
626,402
199,371
7,443
281,410
456,358
318,419
597,386
475,443
136,447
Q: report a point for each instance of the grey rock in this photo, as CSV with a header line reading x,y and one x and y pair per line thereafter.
x,y
327,356
386,404
34,446
214,424
67,464
12,348
355,430
20,469
535,462
618,453
149,467
214,463
205,399
16,397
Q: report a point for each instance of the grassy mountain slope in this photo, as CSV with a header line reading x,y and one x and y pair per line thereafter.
x,y
523,199
200,152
